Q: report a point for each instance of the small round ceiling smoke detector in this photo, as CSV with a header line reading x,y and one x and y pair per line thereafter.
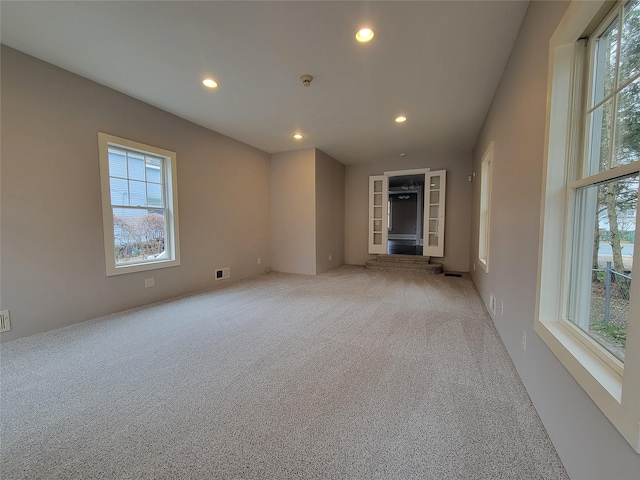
x,y
306,79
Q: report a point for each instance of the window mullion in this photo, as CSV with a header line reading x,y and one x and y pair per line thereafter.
x,y
579,104
616,172
128,182
616,90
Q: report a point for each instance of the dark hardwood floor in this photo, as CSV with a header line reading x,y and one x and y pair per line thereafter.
x,y
404,247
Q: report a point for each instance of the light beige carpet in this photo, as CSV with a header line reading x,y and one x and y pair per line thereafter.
x,y
351,374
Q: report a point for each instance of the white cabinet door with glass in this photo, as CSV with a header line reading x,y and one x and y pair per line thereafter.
x,y
435,186
378,212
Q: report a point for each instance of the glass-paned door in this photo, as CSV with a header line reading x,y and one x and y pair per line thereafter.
x,y
378,205
434,198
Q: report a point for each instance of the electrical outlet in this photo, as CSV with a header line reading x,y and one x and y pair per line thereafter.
x,y
149,282
223,273
524,340
501,308
330,257
259,260
5,321
474,266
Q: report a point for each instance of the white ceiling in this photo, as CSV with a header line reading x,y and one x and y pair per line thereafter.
x,y
436,62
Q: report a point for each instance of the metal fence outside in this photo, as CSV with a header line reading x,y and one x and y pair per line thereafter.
x,y
610,296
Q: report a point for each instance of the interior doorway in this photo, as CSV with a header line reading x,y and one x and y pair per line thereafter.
x,y
426,237
405,214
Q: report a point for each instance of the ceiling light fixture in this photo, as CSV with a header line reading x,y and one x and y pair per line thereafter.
x,y
210,83
297,136
410,185
401,119
364,35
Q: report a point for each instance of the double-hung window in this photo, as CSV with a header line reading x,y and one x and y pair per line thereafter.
x,y
588,305
604,192
485,208
139,205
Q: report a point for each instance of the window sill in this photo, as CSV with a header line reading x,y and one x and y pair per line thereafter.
x,y
141,267
598,379
483,265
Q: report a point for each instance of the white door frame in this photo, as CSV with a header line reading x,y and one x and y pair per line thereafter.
x,y
415,171
433,211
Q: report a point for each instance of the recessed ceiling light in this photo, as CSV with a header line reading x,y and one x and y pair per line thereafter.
x,y
297,136
401,119
364,35
208,82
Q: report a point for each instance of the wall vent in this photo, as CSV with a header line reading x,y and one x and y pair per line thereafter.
x,y
222,273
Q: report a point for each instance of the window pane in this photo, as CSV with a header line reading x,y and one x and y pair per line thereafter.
x,y
600,138
154,172
602,261
630,42
154,195
138,193
136,166
138,234
119,191
117,164
605,63
627,145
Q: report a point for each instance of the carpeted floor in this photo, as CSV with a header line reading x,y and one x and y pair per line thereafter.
x,y
351,374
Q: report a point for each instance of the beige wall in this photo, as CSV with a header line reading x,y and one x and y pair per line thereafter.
x,y
458,204
307,212
293,207
329,212
52,263
590,447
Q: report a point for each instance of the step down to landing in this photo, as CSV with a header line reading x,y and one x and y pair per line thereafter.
x,y
405,263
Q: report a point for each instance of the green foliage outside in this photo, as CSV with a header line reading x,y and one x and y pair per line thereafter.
x,y
612,331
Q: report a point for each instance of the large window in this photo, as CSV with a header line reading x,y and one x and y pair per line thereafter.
x,y
485,207
588,303
139,201
605,192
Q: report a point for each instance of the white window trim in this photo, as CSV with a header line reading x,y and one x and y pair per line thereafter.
x,y
617,396
172,242
486,175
